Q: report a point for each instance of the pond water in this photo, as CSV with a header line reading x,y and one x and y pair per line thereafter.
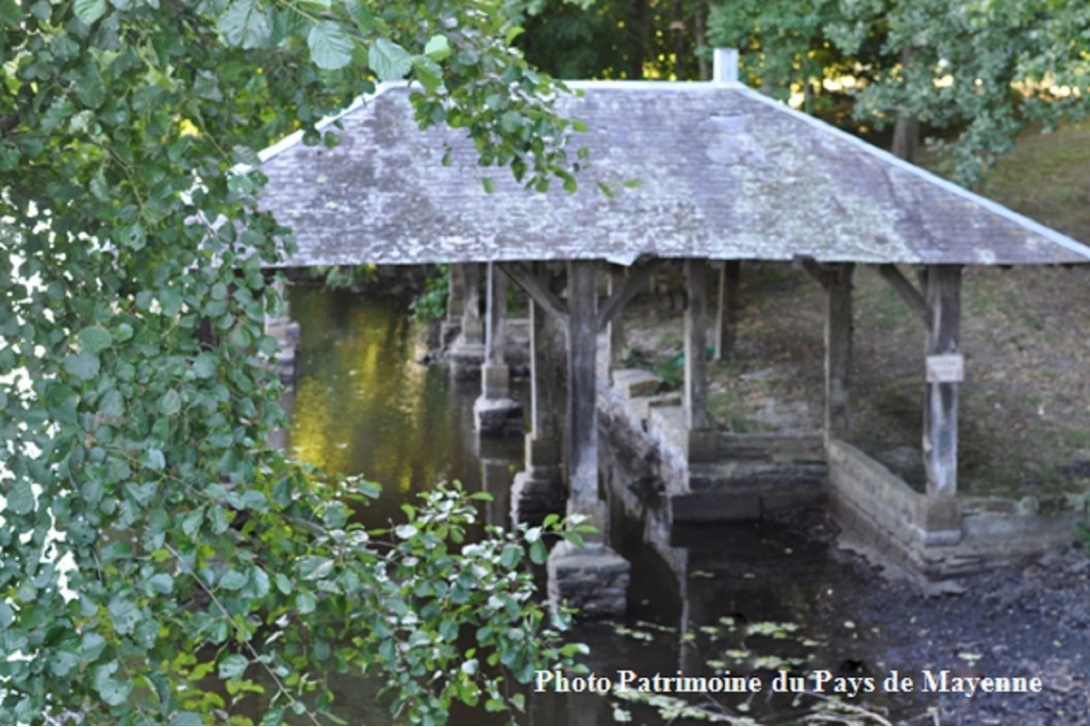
x,y
750,599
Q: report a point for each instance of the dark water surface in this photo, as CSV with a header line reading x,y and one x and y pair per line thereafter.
x,y
750,599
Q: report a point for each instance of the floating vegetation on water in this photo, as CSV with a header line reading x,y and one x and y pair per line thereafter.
x,y
657,627
773,629
833,710
701,574
673,708
622,630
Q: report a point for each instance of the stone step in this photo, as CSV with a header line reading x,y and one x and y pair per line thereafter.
x,y
773,447
729,475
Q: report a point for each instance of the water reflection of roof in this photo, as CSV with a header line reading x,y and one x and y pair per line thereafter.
x,y
723,173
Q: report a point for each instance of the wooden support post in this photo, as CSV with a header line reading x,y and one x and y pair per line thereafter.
x,y
726,311
904,288
940,435
618,299
472,327
583,385
696,365
593,579
542,378
538,290
616,324
838,346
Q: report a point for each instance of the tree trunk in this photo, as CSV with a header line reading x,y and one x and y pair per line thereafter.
x,y
906,130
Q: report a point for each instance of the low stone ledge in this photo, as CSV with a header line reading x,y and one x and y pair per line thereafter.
x,y
944,538
634,383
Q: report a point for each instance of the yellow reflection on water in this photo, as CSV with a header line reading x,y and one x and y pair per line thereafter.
x,y
362,404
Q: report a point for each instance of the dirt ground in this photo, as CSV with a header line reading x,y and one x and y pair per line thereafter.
x,y
1029,620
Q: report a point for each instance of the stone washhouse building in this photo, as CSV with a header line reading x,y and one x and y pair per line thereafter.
x,y
724,174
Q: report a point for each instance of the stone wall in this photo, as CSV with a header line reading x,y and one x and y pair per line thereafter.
x,y
706,476
942,538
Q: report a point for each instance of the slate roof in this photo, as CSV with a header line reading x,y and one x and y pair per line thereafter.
x,y
724,173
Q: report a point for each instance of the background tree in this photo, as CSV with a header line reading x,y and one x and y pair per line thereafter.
x,y
617,39
149,540
973,72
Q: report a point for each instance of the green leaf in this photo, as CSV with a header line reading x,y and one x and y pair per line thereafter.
x,y
428,73
161,583
330,45
83,365
20,498
125,614
205,365
260,581
232,666
170,403
62,663
153,459
305,602
513,32
510,556
133,236
88,11
246,24
437,48
232,580
187,719
112,404
112,691
388,60
315,567
91,646
10,13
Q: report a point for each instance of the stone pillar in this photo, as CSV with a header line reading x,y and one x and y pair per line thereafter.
x,y
467,353
726,310
838,346
495,412
701,439
617,277
539,490
593,579
279,325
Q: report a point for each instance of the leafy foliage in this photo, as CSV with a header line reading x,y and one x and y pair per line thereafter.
x,y
149,539
431,305
978,70
617,38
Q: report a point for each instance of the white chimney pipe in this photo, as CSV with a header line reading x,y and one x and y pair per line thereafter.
x,y
725,65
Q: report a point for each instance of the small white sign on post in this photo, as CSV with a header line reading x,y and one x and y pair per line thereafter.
x,y
948,368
